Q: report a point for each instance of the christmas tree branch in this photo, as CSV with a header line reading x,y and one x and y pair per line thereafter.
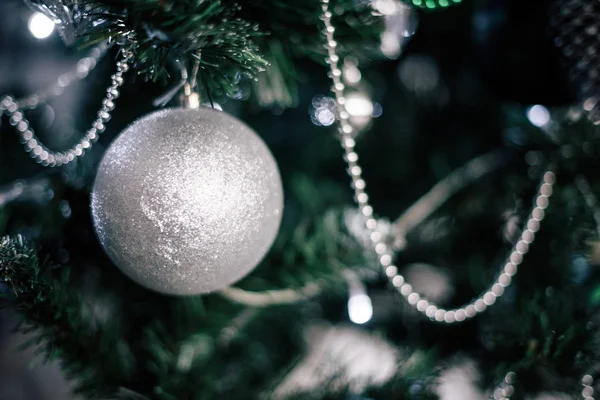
x,y
21,270
229,40
446,188
53,319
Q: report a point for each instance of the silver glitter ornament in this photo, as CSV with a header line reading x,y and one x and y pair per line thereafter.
x,y
187,201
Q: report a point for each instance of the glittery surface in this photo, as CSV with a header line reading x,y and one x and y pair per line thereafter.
x,y
187,201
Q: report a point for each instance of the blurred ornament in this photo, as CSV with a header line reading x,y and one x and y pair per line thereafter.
x,y
72,18
576,26
340,358
187,201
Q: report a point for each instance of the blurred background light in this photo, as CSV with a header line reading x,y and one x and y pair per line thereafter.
x,y
386,7
359,105
40,26
351,73
360,308
401,22
419,74
538,115
322,110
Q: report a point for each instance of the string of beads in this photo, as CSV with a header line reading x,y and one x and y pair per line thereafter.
x,y
384,253
14,109
506,389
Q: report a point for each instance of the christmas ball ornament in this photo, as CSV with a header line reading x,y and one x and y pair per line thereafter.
x,y
187,201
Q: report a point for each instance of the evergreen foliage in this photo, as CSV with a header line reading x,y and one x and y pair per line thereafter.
x,y
230,40
119,340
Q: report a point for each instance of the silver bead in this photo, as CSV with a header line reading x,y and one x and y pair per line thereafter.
x,y
122,66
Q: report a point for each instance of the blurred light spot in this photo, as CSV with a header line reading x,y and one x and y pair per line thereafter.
x,y
401,22
581,269
40,26
386,7
533,158
351,72
48,116
360,308
432,282
322,110
358,105
538,115
419,74
512,225
65,209
377,110
390,45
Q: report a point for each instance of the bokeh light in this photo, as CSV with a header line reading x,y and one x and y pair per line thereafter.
x,y
360,308
40,26
350,71
401,22
419,74
359,105
538,115
322,110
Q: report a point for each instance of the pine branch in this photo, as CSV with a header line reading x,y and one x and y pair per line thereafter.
x,y
229,39
54,323
22,271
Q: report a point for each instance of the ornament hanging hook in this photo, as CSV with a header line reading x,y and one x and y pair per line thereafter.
x,y
190,98
166,97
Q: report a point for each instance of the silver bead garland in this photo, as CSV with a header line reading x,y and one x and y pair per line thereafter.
x,y
587,393
505,390
384,253
33,145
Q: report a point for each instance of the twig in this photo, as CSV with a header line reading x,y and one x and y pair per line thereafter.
x,y
446,188
270,297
